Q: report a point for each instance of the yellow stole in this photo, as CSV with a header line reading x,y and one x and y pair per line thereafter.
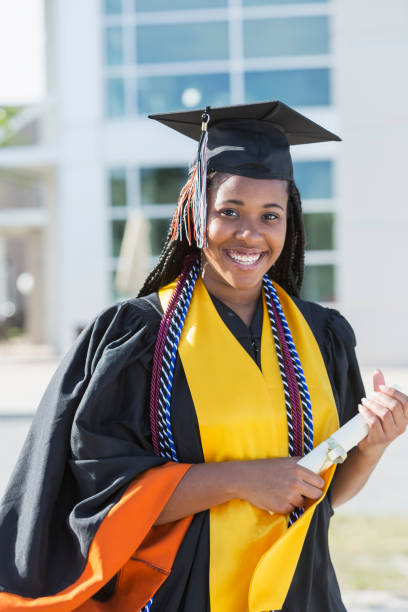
x,y
241,415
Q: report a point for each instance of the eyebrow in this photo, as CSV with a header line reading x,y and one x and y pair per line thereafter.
x,y
241,203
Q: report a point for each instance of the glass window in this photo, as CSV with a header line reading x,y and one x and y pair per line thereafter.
x,y
163,5
271,2
308,87
319,283
314,179
165,93
182,42
117,231
158,233
319,231
112,7
286,36
118,190
161,185
114,46
115,97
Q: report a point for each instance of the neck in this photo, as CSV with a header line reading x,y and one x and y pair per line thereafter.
x,y
242,301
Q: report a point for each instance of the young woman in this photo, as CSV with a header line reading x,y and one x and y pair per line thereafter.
x,y
161,469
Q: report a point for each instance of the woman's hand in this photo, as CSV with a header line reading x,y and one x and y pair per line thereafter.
x,y
279,485
386,413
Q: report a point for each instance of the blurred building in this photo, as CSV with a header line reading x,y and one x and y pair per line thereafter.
x,y
94,157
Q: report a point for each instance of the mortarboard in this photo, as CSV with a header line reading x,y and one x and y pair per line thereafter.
x,y
251,140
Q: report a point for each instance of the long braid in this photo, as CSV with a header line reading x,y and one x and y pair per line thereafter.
x,y
288,270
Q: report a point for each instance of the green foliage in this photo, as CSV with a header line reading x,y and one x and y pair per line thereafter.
x,y
6,114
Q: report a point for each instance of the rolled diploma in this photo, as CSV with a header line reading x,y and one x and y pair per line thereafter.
x,y
335,449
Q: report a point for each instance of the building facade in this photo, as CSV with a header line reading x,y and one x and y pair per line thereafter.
x,y
111,62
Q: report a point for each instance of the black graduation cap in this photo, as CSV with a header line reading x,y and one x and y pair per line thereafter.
x,y
251,139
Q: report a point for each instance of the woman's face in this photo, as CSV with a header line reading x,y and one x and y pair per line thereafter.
x,y
246,229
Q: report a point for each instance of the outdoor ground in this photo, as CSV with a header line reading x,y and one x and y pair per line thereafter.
x,y
369,534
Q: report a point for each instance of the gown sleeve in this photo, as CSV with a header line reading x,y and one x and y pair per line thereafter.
x,y
87,488
342,366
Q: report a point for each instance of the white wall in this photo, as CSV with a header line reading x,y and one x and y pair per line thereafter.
x,y
371,94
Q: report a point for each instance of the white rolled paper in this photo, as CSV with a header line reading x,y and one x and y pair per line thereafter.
x,y
335,449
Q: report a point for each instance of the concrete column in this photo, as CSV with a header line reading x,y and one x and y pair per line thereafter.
x,y
35,300
81,224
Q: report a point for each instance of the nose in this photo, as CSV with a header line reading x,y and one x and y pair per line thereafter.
x,y
248,231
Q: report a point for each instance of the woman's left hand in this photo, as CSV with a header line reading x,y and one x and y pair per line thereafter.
x,y
386,413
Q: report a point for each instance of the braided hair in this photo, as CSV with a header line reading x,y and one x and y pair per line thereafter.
x,y
288,270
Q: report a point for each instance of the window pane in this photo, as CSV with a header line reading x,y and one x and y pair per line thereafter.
x,y
161,185
294,87
163,5
319,231
171,93
314,179
118,194
112,7
272,2
158,233
113,46
117,231
289,36
319,283
182,42
115,97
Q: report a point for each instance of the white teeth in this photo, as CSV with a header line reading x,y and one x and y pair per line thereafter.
x,y
244,259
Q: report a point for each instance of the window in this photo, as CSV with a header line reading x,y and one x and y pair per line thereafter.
x,y
118,188
269,2
115,97
178,92
142,6
117,231
161,185
113,46
286,36
158,187
319,229
319,283
112,7
309,87
314,179
158,233
182,42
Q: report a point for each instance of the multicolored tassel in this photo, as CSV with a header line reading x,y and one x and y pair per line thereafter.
x,y
191,211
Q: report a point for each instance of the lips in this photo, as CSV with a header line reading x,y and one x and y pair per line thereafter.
x,y
244,259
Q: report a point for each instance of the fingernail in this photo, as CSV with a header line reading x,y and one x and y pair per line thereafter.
x,y
383,387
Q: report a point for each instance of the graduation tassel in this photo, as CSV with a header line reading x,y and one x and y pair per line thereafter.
x,y
191,208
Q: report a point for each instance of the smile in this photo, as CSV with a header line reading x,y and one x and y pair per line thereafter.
x,y
244,259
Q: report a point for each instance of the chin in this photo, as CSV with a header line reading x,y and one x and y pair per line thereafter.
x,y
244,281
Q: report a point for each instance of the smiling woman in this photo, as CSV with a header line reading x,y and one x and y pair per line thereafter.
x,y
246,231
164,457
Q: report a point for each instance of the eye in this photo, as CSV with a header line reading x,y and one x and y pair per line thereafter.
x,y
271,216
229,212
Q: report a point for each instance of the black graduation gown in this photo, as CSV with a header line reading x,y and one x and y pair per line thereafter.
x,y
91,438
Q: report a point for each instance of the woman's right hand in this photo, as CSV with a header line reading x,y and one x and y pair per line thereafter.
x,y
278,485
